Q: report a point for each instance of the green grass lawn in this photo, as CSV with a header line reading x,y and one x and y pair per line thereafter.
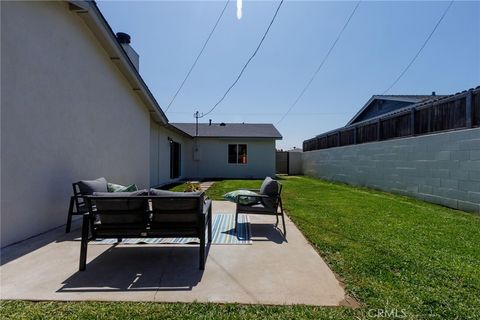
x,y
392,252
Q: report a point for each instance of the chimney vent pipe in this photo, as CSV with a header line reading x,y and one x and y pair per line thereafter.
x,y
123,37
124,40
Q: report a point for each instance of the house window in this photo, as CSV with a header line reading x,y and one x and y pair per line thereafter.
x,y
237,153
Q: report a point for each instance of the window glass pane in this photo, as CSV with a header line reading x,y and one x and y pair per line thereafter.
x,y
232,153
242,153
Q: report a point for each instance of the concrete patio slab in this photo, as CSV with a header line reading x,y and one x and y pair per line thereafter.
x,y
270,271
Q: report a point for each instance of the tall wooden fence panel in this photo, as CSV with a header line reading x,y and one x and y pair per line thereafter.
x,y
460,111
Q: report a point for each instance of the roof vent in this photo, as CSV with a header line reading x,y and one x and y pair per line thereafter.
x,y
123,37
433,93
222,124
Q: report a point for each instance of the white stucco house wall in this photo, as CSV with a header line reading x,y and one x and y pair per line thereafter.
x,y
74,106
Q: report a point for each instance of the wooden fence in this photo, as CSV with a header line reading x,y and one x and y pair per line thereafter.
x,y
459,111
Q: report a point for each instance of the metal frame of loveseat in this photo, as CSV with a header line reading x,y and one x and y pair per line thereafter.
x,y
77,206
145,227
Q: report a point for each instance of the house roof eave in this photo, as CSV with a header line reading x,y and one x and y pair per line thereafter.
x,y
96,22
413,100
178,130
361,110
240,137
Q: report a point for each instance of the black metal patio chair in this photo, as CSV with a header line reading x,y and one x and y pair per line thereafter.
x,y
270,201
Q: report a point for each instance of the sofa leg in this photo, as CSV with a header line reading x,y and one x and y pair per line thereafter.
x,y
69,217
283,219
202,251
209,225
236,222
84,243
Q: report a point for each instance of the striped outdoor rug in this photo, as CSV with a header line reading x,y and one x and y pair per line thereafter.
x,y
223,232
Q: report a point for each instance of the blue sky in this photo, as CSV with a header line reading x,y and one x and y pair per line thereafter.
x,y
380,40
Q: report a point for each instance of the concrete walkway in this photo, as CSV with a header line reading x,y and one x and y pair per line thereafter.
x,y
270,271
205,185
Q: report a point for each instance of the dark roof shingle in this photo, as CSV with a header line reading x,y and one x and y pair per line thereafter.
x,y
230,130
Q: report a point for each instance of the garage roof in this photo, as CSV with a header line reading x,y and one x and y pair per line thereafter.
x,y
230,130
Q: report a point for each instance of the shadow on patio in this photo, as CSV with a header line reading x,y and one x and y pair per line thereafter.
x,y
267,232
138,268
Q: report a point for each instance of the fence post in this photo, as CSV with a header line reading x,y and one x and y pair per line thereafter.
x,y
412,122
468,109
288,163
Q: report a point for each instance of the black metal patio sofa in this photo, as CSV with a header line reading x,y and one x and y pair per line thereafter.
x,y
164,214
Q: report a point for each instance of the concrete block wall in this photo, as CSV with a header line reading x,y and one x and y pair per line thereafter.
x,y
442,168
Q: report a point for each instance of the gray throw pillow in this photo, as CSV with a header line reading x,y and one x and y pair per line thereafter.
x,y
158,192
269,188
173,194
88,187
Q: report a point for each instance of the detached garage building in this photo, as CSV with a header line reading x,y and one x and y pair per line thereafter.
x,y
231,150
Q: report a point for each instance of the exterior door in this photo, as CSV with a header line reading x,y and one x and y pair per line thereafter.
x,y
175,160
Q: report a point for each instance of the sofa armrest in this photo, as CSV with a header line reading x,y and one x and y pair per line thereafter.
x,y
252,196
254,190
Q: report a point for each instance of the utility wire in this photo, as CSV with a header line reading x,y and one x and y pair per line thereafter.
x,y
198,56
320,65
421,48
246,64
267,113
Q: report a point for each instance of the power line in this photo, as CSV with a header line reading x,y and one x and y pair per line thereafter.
x,y
421,48
267,113
248,61
321,64
198,56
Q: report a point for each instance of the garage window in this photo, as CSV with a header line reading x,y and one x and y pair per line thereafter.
x,y
237,153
